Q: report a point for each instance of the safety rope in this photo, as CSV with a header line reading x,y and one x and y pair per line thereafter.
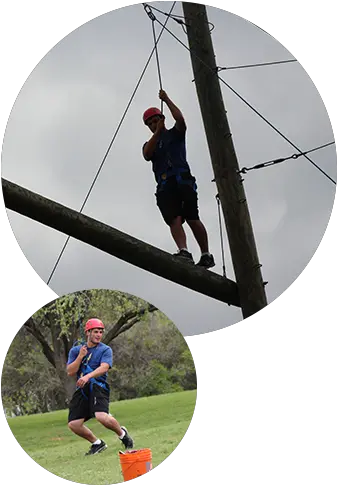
x,y
158,66
152,17
111,143
250,106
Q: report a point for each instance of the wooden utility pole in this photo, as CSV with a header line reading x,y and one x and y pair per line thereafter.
x,y
117,243
225,165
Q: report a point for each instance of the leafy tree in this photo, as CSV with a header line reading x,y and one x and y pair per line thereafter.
x,y
57,325
150,354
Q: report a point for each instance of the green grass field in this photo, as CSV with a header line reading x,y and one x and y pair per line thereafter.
x,y
157,422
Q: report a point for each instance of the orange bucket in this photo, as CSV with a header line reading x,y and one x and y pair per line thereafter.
x,y
135,463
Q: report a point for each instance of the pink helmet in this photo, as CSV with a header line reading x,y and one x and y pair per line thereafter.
x,y
93,323
151,112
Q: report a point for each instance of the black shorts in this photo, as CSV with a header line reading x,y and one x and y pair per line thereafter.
x,y
84,404
178,199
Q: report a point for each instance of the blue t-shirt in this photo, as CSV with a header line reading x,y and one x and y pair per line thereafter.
x,y
95,357
170,153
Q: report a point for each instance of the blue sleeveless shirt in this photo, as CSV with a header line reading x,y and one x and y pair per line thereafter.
x,y
94,358
169,156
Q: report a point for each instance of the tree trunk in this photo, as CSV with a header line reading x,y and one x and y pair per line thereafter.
x,y
69,384
60,358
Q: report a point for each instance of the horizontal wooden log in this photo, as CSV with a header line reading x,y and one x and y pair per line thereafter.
x,y
118,244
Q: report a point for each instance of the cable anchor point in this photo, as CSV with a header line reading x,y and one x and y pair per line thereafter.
x,y
149,12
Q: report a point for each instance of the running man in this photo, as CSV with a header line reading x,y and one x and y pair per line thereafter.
x,y
176,193
91,363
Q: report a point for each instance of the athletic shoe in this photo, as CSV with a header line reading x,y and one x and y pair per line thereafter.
x,y
206,261
127,440
185,256
94,449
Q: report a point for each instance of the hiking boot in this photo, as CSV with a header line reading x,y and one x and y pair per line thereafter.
x,y
127,440
206,261
185,256
94,449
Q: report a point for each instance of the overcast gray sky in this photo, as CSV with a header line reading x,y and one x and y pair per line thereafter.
x,y
70,106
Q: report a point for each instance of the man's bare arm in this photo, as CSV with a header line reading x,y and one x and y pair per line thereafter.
x,y
175,111
150,146
102,369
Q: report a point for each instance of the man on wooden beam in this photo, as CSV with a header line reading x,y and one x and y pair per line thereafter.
x,y
176,193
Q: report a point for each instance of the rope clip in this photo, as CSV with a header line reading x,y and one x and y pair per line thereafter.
x,y
149,12
243,170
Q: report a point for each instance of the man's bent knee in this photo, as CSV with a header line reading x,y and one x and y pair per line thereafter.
x,y
75,425
102,417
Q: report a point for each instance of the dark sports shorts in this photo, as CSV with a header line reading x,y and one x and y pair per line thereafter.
x,y
84,404
178,199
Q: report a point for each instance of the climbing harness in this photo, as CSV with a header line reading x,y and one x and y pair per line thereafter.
x,y
92,380
175,172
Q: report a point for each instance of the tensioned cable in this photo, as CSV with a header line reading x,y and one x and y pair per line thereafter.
x,y
221,236
251,107
280,160
245,66
112,141
256,65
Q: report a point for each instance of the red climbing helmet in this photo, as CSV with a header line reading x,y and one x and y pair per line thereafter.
x,y
93,323
151,112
